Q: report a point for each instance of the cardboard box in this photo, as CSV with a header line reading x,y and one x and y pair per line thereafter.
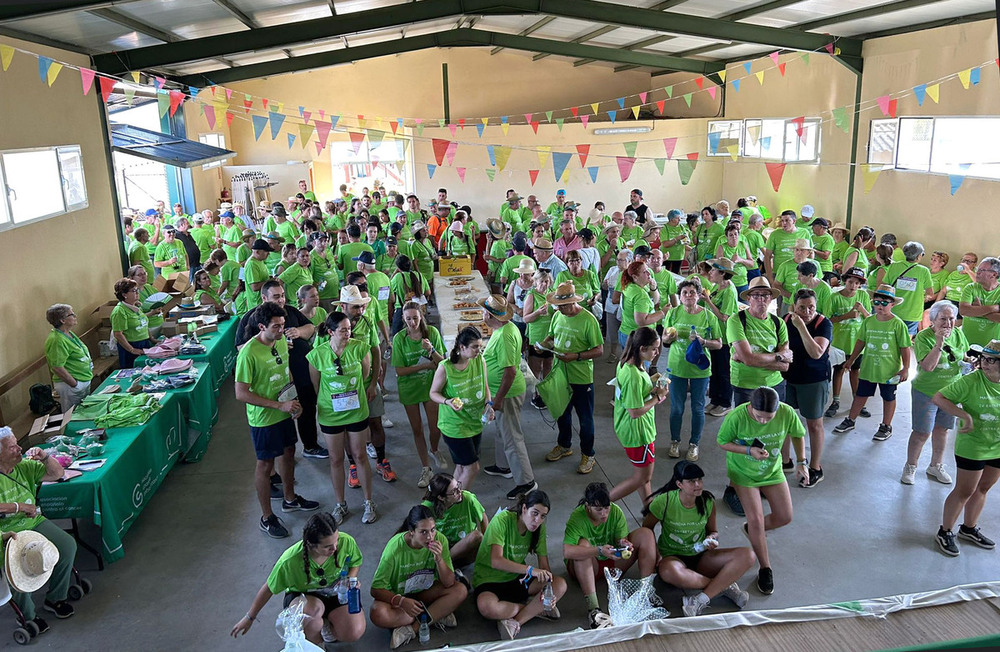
x,y
185,313
104,333
47,426
207,328
456,266
177,282
169,328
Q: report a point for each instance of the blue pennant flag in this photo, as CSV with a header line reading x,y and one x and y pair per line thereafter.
x,y
713,141
259,122
431,169
593,173
920,92
559,162
492,154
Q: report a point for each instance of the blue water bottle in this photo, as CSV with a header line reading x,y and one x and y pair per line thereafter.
x,y
354,597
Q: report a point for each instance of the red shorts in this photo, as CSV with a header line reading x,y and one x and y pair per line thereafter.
x,y
642,455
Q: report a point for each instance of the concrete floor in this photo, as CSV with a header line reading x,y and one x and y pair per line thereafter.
x,y
196,557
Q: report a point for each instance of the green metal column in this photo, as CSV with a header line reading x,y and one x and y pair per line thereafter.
x,y
854,151
444,92
116,210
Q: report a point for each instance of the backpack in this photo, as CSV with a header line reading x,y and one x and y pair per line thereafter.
x,y
40,400
774,320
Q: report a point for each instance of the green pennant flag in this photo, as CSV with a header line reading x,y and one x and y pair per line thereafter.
x,y
406,145
129,95
375,137
490,172
840,119
685,168
661,163
670,91
559,123
305,134
630,148
162,103
548,116
420,129
805,57
687,99
440,122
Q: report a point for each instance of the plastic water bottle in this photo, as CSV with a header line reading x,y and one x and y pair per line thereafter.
x,y
342,586
425,629
960,267
548,598
702,546
354,597
894,380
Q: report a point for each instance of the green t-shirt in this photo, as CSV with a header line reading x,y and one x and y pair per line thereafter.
x,y
138,254
259,368
911,281
502,531
741,428
19,486
386,263
788,276
401,287
883,341
823,292
66,350
295,277
499,250
980,330
862,259
823,243
938,280
341,399
609,533
405,570
632,234
167,250
230,273
232,234
346,254
707,325
422,253
132,323
680,527
666,284
538,329
378,289
504,350
509,265
576,334
469,385
631,392
956,282
980,398
461,519
586,285
763,336
839,251
740,276
204,237
676,251
243,253
727,301
845,333
288,231
289,572
415,388
754,241
324,274
634,299
949,366
254,271
781,244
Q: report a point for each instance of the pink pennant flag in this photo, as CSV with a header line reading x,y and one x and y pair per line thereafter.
x,y
829,48
229,94
643,96
450,152
210,115
774,57
584,119
712,91
669,144
527,118
322,114
883,104
625,164
461,174
306,115
323,130
451,128
87,77
319,147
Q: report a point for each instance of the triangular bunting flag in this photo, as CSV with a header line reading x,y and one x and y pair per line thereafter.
x,y
621,102
259,122
736,85
193,92
583,151
805,57
747,66
892,108
54,71
431,169
973,77
625,164
440,146
129,95
574,111
291,140
480,128
534,126
635,112
548,116
264,102
276,120
229,118
669,90
6,55
611,114
800,129
87,78
956,179
247,104
734,151
840,119
829,48
775,172
229,94
322,115
44,63
504,124
162,102
135,76
503,155
559,123
722,75
754,133
543,155
593,170
685,168
669,144
965,76
711,91
692,156
305,133
375,137
774,57
765,143
934,92
883,104
306,116
440,122
630,147
490,172
210,116
452,129
687,99
461,174
561,159
869,173
176,99
302,109
661,164
699,82
527,118
322,130
713,141
357,138
920,92
594,106
781,68
659,106
461,124
158,83
491,152
642,96
394,126
760,77
449,155
533,176
584,119
420,129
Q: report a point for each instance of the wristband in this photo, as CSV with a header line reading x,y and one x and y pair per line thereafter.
x,y
396,606
490,403
530,572
748,450
249,617
17,507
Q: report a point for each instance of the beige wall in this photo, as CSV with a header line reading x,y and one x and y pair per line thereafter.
x,y
207,183
73,258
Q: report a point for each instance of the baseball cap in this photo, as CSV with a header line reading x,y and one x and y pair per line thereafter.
x,y
365,258
260,245
642,250
278,210
561,191
807,211
820,221
637,191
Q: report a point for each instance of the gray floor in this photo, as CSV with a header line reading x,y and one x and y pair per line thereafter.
x,y
196,557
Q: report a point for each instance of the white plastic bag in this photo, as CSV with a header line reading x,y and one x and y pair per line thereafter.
x,y
632,601
289,628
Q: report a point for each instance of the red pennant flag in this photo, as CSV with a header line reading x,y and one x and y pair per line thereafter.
x,y
533,175
659,106
394,125
693,156
700,82
534,126
829,48
176,99
107,84
461,174
800,131
892,108
213,90
357,138
575,111
440,146
87,77
625,164
781,69
229,118
264,102
322,131
246,106
775,171
583,151
668,145
461,124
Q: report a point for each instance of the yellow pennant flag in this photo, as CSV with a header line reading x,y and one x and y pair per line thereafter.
x,y
635,112
543,156
281,107
505,127
934,92
486,121
722,75
754,133
964,77
594,107
6,54
760,77
870,174
135,77
54,71
503,155
733,151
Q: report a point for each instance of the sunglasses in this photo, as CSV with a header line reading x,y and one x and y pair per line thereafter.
x,y
881,303
274,352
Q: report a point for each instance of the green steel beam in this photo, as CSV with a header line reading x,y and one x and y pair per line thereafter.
x,y
534,27
445,39
594,33
759,9
860,14
853,168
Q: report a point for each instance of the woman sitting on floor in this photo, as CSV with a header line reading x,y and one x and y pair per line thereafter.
x,y
459,515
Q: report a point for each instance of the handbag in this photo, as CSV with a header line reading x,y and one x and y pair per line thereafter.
x,y
555,390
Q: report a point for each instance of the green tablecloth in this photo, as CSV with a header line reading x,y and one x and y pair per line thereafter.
x,y
138,459
220,352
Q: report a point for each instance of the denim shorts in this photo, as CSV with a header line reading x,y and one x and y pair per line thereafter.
x,y
925,415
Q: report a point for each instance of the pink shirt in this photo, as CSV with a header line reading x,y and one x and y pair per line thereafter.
x,y
560,246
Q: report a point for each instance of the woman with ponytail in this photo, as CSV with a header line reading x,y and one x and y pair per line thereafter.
x,y
689,541
308,573
459,515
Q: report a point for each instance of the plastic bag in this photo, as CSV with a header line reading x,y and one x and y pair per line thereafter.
x,y
695,354
555,390
289,628
632,601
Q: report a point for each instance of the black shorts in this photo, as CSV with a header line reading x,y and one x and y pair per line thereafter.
x,y
330,602
966,464
691,561
867,388
271,441
854,367
464,450
357,426
511,591
540,354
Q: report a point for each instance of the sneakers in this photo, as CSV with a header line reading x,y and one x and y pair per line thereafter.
x,y
318,453
765,581
41,625
597,619
674,450
498,471
844,426
739,597
276,492
61,609
401,636
425,477
865,414
910,472
387,423
327,633
352,478
975,536
586,464
694,605
719,411
557,453
710,407
537,402
273,527
832,410
815,477
370,449
460,576
448,621
514,493
884,432
733,501
441,460
509,629
946,542
370,515
384,469
299,504
551,615
788,467
938,472
339,512
692,454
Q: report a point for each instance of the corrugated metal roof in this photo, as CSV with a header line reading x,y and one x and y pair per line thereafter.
x,y
164,148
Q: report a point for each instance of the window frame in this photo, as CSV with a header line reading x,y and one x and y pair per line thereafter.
x,y
786,123
895,165
7,220
740,133
219,136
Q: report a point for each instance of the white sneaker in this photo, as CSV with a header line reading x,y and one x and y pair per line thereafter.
x,y
370,448
327,633
737,595
448,621
909,471
693,605
387,423
937,472
443,463
339,512
401,636
509,629
710,407
719,411
425,477
370,515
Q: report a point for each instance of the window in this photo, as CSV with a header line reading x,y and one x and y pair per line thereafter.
x,y
386,162
882,142
215,140
779,140
40,183
953,145
723,134
802,144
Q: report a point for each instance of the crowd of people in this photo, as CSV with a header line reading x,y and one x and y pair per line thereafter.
x,y
760,316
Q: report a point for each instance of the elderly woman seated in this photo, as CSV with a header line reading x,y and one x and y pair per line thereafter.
x,y
129,324
19,479
68,357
